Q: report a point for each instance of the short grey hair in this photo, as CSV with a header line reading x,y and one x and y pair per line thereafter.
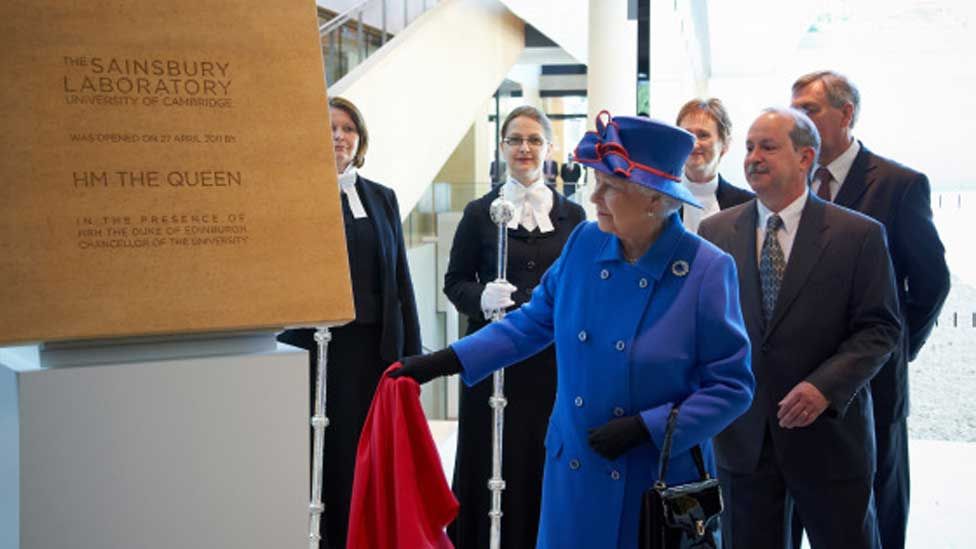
x,y
671,205
839,90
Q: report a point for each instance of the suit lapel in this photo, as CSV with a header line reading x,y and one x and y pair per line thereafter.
x,y
858,179
375,208
558,211
722,193
808,246
744,252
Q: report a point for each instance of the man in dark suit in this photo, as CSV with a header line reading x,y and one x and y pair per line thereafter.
x,y
709,122
898,197
820,305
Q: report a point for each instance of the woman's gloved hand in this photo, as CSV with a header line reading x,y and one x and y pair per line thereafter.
x,y
423,368
497,296
618,436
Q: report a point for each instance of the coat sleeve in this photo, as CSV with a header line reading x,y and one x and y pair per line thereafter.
x,y
725,380
921,256
521,334
408,302
461,283
873,325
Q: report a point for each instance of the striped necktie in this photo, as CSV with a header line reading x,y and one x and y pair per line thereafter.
x,y
772,264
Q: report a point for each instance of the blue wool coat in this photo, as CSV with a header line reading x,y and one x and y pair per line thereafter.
x,y
630,339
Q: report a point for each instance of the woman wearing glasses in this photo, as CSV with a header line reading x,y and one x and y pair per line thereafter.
x,y
543,221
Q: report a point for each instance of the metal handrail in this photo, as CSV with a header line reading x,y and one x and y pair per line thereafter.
x,y
342,18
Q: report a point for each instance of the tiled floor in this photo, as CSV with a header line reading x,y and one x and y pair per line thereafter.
x,y
943,489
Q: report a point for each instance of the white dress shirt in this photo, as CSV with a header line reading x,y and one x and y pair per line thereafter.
x,y
839,169
532,204
705,193
347,182
791,222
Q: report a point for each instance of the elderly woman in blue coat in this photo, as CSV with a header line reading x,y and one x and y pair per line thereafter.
x,y
645,316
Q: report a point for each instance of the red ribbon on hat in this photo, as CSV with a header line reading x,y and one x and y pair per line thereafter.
x,y
605,144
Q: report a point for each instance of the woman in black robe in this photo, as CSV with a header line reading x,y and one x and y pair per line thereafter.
x,y
543,221
386,326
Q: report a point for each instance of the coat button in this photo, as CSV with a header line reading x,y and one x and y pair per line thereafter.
x,y
618,411
574,464
620,345
582,335
578,401
642,283
604,274
531,265
615,474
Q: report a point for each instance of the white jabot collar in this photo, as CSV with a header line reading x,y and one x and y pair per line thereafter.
x,y
532,204
347,182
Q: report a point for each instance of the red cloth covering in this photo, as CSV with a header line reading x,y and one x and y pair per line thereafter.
x,y
400,498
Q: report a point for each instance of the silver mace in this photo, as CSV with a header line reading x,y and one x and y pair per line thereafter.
x,y
319,423
502,211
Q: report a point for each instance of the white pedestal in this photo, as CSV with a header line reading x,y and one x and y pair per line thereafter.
x,y
196,452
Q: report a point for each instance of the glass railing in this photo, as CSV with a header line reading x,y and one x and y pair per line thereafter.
x,y
350,36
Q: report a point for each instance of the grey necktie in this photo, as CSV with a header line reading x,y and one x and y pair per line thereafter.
x,y
772,264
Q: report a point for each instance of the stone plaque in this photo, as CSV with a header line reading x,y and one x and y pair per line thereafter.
x,y
166,168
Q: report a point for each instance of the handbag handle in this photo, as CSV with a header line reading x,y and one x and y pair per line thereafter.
x,y
696,452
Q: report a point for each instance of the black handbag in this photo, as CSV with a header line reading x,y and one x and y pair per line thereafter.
x,y
684,516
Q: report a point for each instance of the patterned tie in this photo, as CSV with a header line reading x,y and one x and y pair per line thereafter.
x,y
772,264
825,177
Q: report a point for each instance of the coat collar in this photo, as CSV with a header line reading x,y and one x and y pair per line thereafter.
x,y
744,252
658,258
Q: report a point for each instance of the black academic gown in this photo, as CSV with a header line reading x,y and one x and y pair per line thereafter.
x,y
386,329
529,386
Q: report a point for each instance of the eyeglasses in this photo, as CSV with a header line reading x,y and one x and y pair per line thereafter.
x,y
534,141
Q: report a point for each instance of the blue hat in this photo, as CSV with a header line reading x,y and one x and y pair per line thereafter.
x,y
645,151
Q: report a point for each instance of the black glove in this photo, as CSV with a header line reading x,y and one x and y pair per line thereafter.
x,y
618,436
423,368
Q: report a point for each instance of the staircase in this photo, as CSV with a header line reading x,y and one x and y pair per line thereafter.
x,y
423,87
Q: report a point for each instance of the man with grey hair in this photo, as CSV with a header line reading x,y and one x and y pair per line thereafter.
x,y
820,306
899,198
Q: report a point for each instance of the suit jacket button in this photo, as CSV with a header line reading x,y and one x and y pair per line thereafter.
x,y
531,265
642,283
620,345
618,411
615,474
574,464
604,274
582,335
578,401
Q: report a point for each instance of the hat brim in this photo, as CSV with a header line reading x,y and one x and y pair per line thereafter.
x,y
673,189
